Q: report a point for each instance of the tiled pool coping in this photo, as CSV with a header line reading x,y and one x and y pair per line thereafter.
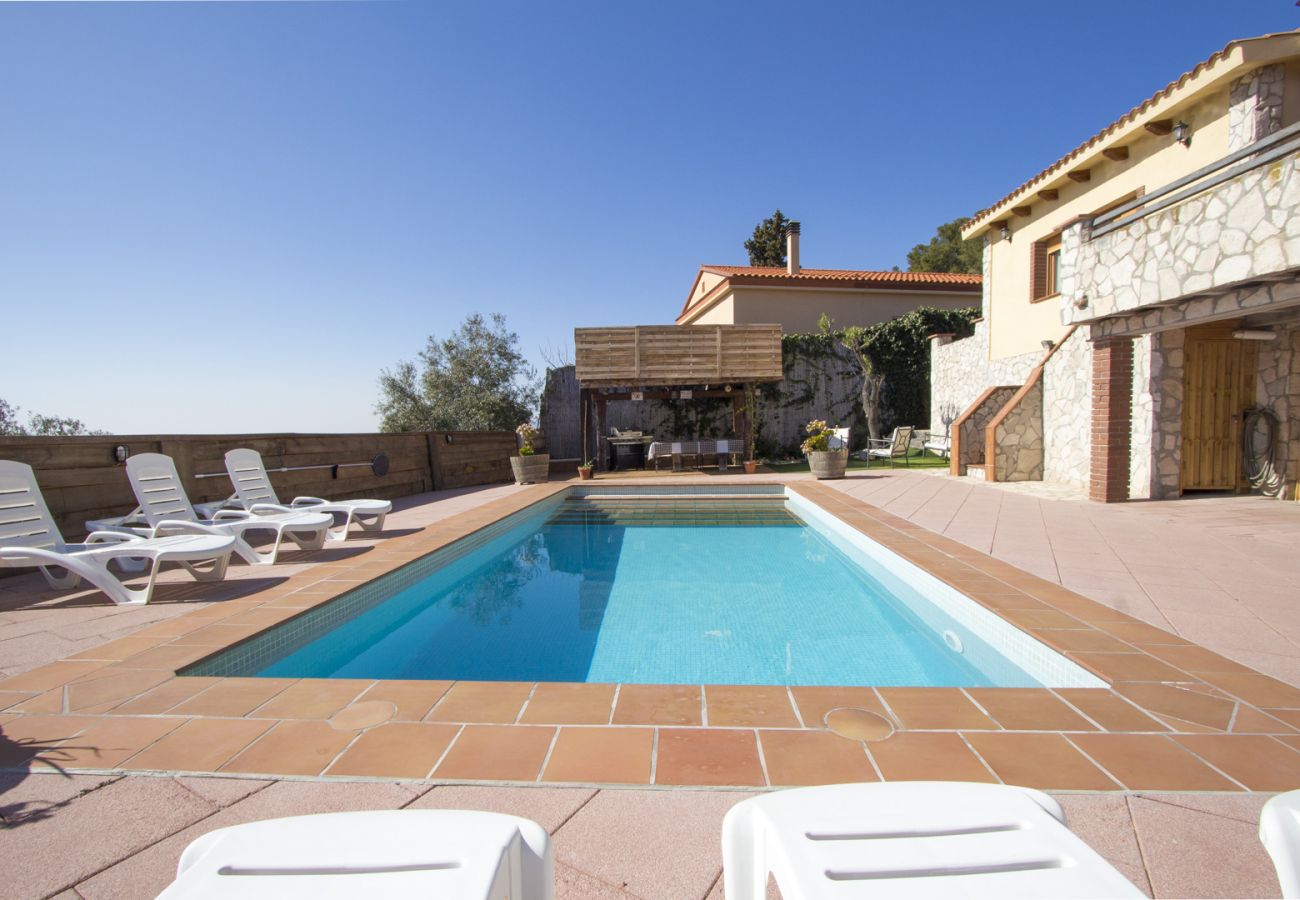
x,y
1175,717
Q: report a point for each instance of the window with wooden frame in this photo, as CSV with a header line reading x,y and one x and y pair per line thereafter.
x,y
1045,272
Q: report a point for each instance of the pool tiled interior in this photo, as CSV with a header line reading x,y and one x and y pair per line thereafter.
x,y
1175,717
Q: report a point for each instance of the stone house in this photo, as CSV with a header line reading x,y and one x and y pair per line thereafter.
x,y
796,297
1141,304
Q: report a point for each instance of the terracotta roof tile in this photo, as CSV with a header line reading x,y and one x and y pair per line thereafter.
x,y
944,278
1101,136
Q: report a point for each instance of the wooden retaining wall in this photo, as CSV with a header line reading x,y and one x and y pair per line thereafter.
x,y
81,480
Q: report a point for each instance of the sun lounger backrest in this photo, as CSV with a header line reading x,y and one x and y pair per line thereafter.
x,y
25,520
248,475
158,488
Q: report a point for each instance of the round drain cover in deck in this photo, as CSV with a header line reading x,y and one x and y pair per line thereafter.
x,y
859,724
365,714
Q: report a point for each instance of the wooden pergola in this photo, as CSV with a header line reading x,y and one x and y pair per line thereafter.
x,y
671,362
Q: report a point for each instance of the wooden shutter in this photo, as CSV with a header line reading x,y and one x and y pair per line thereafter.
x,y
1038,272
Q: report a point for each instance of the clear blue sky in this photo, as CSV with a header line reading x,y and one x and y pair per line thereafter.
x,y
230,216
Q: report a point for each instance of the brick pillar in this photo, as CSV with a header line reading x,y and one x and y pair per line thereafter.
x,y
1112,419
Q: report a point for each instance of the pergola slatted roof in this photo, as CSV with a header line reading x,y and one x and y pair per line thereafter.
x,y
672,355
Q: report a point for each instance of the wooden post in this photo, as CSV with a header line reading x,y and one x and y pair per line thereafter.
x,y
601,461
584,417
433,440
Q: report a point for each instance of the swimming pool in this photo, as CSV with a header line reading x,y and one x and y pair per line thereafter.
x,y
643,586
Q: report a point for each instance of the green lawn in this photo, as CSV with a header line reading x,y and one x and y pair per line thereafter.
x,y
917,460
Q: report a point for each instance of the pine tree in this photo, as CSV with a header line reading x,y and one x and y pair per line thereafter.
x,y
767,246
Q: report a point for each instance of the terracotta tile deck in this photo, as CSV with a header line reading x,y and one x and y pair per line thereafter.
x,y
1177,715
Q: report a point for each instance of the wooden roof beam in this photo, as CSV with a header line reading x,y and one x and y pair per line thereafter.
x,y
1048,194
1022,211
1160,127
1115,154
1079,175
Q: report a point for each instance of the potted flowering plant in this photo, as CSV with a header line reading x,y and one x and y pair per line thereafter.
x,y
530,467
586,469
822,460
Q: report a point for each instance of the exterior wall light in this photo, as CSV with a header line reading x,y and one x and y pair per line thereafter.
x,y
1048,344
1005,230
1082,302
120,453
1183,133
1255,334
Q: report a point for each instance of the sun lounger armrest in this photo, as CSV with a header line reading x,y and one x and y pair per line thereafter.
x,y
308,501
184,526
258,509
232,515
117,537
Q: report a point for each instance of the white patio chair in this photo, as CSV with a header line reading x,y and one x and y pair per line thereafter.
x,y
254,493
166,508
910,839
379,854
29,537
839,440
1279,831
939,445
897,446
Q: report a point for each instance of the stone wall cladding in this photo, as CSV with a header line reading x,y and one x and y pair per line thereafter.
x,y
971,442
1140,447
1018,438
1278,390
961,370
1165,382
1255,106
1067,404
1228,305
1242,229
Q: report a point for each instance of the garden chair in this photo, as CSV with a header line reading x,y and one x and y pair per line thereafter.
x,y
910,839
166,508
938,445
253,492
380,853
839,440
897,446
29,537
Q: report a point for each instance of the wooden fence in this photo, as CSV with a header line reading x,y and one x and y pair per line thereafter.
x,y
81,478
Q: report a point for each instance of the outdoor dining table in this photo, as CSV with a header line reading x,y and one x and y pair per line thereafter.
x,y
699,449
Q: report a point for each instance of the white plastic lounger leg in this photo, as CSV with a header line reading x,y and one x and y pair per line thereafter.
x,y
386,854
910,839
1279,832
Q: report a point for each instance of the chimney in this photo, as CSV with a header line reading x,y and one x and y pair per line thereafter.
x,y
792,248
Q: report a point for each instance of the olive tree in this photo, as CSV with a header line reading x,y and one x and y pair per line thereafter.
x,y
474,380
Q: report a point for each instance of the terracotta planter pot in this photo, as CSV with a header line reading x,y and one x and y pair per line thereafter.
x,y
751,466
828,463
533,469
585,472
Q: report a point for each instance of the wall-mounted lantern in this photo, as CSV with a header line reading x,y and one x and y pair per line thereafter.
x,y
120,453
1183,133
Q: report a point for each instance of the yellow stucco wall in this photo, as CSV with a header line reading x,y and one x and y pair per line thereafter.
x,y
1017,325
800,310
719,314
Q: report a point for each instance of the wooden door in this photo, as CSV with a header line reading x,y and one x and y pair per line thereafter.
x,y
1212,405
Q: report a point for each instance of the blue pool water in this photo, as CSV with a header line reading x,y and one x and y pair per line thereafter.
x,y
658,591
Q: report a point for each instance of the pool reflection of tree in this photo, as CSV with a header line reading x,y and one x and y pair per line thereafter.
x,y
491,598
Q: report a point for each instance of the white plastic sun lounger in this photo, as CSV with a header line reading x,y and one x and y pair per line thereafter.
x,y
166,509
29,537
910,839
1279,831
254,493
386,854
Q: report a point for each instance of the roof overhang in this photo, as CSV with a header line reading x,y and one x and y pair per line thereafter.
x,y
1229,63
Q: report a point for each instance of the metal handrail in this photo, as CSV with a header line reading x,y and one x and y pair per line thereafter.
x,y
1283,142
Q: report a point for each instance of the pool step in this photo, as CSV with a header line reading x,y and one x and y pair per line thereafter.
x,y
658,511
